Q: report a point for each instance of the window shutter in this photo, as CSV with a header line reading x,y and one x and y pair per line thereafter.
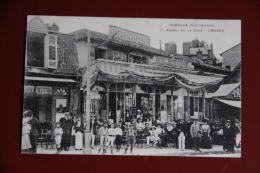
x,y
52,52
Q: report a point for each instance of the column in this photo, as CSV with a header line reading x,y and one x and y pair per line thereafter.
x,y
154,105
107,108
203,102
188,102
171,103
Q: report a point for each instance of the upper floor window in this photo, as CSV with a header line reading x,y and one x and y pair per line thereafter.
x,y
41,50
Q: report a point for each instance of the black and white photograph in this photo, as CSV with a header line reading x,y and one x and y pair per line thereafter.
x,y
132,87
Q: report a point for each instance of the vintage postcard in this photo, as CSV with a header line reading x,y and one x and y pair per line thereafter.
x,y
132,86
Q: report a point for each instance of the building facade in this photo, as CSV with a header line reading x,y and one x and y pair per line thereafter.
x,y
130,76
225,103
127,75
51,79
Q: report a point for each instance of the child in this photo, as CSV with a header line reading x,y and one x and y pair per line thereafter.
x,y
26,128
130,136
58,133
152,134
111,137
119,133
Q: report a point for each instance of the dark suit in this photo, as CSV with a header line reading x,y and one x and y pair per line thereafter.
x,y
229,138
34,133
188,139
66,125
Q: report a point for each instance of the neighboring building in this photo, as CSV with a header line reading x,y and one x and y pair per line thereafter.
x,y
203,58
51,79
171,48
232,57
198,49
226,101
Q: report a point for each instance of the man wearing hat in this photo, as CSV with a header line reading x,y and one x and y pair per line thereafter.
x,y
66,124
195,132
181,130
119,133
130,136
103,132
229,137
188,139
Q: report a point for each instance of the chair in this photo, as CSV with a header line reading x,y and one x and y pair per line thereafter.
x,y
51,138
43,138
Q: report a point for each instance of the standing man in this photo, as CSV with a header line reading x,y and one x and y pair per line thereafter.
x,y
34,133
229,137
103,132
118,139
111,137
66,125
181,130
188,139
195,132
130,136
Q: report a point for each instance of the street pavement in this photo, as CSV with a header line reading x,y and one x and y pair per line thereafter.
x,y
216,151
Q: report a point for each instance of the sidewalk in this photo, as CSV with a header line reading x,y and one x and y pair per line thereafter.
x,y
216,150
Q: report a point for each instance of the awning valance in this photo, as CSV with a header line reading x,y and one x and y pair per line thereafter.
x,y
223,90
49,79
190,82
231,102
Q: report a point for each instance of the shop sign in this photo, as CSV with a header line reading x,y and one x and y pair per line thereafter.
x,y
159,60
44,90
237,92
121,34
28,89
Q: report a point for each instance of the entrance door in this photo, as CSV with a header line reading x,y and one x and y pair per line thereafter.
x,y
41,108
112,106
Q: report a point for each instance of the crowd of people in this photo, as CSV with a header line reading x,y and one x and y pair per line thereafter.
x,y
180,134
140,132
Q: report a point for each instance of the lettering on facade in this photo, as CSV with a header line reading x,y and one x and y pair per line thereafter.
x,y
126,35
28,89
43,90
237,93
159,60
119,56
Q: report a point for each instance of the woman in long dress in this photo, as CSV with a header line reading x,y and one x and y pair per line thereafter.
x,y
205,138
78,128
26,128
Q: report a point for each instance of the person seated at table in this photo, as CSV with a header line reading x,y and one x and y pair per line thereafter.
x,y
138,115
58,133
152,135
146,133
139,126
164,137
172,134
158,135
127,118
